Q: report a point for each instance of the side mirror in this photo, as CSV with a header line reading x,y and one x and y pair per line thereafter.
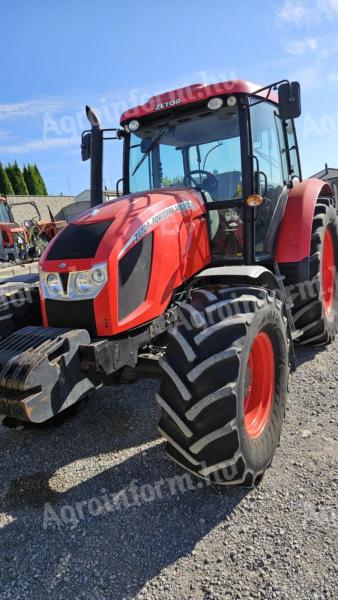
x,y
85,146
289,100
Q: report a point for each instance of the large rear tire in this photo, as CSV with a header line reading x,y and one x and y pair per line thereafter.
x,y
224,385
315,309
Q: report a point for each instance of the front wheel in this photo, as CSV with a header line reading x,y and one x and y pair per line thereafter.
x,y
224,385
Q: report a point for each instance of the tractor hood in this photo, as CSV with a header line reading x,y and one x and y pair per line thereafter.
x,y
147,243
119,225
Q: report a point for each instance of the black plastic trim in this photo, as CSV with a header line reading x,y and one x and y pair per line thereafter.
x,y
134,274
76,314
78,241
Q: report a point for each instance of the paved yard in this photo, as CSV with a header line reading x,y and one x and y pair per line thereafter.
x,y
91,507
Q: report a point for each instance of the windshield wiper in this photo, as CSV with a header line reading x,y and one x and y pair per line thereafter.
x,y
150,147
211,149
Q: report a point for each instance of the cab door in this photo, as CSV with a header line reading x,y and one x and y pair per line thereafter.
x,y
270,171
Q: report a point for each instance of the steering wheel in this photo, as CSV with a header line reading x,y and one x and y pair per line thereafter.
x,y
213,185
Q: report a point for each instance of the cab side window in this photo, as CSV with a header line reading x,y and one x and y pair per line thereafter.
x,y
268,161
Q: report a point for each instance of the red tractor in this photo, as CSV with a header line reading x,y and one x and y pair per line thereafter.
x,y
216,259
19,242
14,239
39,232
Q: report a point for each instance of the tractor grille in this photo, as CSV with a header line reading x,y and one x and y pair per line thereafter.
x,y
77,314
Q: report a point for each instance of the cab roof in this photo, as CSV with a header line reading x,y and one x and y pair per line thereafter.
x,y
190,94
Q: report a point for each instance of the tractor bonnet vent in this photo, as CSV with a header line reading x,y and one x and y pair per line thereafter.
x,y
78,241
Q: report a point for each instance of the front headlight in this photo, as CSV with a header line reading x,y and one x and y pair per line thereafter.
x,y
83,282
99,274
54,285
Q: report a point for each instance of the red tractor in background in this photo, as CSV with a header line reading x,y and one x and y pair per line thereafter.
x,y
39,232
14,244
27,240
214,262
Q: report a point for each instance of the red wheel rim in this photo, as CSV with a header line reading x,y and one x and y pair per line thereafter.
x,y
328,273
260,385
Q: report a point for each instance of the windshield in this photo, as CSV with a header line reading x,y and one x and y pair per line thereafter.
x,y
201,150
4,214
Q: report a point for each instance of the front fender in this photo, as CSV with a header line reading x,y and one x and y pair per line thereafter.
x,y
294,236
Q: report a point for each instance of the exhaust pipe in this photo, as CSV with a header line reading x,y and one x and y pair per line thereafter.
x,y
92,147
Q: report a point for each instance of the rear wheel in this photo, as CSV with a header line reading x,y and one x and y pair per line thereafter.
x,y
224,385
315,310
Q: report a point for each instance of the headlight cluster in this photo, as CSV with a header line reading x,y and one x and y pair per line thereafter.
x,y
80,284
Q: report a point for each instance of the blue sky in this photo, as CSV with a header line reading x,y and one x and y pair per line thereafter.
x,y
59,55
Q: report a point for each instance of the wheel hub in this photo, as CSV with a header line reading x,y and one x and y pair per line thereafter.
x,y
260,385
328,273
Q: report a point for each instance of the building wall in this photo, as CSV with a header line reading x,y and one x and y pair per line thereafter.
x,y
57,205
63,207
72,210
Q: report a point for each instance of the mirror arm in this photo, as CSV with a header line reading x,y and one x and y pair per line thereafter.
x,y
268,88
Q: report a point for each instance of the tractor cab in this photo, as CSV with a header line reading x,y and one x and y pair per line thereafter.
x,y
236,144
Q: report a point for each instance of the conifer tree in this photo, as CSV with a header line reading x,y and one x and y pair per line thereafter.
x,y
6,188
16,179
32,181
41,180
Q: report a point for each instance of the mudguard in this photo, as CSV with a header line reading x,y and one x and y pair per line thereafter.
x,y
294,237
256,275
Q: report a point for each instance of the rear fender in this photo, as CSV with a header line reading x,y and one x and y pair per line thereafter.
x,y
294,236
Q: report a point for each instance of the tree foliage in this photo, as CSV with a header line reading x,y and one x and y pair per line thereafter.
x,y
167,182
41,180
29,181
33,182
16,178
5,184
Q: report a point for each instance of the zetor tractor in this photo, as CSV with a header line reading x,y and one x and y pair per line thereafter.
x,y
216,259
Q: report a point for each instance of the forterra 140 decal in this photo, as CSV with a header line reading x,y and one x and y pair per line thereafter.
x,y
155,220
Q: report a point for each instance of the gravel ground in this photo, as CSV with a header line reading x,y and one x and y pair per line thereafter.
x,y
169,541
